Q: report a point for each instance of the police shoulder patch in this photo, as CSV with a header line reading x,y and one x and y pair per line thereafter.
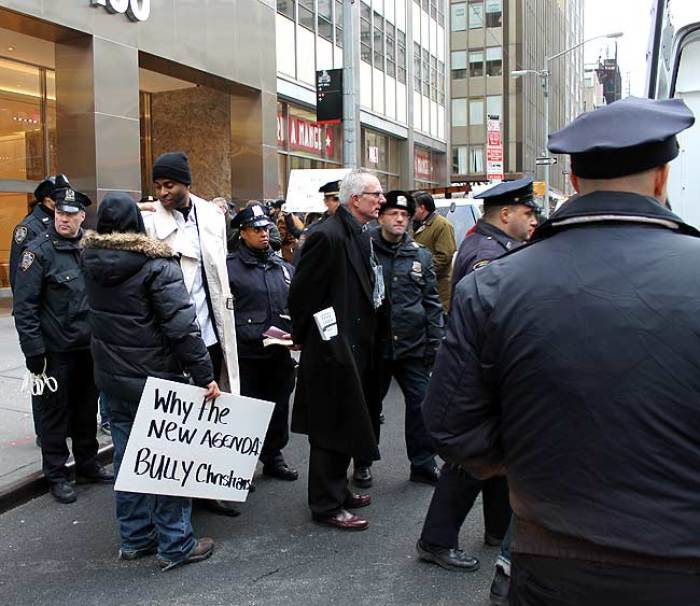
x,y
27,259
20,234
482,263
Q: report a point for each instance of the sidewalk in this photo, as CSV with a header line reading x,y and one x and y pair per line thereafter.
x,y
20,458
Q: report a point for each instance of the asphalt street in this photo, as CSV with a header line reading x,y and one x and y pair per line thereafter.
x,y
270,555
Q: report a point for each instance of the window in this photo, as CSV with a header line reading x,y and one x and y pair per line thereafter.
x,y
494,106
401,54
425,74
433,78
441,13
476,15
494,13
286,8
339,23
306,14
378,41
325,19
441,83
476,112
390,50
459,112
476,63
476,159
459,160
458,19
433,8
365,33
416,67
494,61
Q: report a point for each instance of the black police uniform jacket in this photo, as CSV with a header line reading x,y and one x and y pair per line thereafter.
x,y
143,322
411,324
50,304
479,248
573,363
34,224
335,387
259,284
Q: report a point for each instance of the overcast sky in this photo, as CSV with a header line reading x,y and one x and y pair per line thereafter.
x,y
633,18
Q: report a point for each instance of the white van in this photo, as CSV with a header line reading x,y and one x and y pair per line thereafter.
x,y
463,213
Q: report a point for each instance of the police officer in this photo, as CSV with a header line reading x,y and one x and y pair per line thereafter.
x,y
51,318
510,216
37,221
581,350
259,281
410,324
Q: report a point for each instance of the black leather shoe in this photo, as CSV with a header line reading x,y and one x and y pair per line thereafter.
x,y
491,540
362,477
99,475
63,492
224,508
450,559
425,475
500,587
281,471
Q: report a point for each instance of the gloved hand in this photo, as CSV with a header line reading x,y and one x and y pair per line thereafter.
x,y
35,364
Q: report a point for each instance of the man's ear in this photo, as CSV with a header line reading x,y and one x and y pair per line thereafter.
x,y
661,181
575,182
504,214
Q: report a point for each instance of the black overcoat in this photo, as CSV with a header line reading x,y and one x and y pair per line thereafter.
x,y
336,388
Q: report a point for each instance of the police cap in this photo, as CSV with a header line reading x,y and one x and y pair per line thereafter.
x,y
626,137
332,188
70,201
252,216
399,199
510,192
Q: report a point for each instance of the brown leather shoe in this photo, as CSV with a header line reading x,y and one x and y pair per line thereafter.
x,y
344,520
202,549
356,501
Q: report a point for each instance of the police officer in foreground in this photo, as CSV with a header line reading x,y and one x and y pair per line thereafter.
x,y
51,317
410,324
259,281
571,364
510,216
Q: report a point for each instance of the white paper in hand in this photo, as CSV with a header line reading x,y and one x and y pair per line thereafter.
x,y
327,324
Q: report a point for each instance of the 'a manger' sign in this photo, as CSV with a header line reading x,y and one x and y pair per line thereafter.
x,y
184,446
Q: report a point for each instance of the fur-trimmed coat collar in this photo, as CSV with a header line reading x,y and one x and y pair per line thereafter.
x,y
130,242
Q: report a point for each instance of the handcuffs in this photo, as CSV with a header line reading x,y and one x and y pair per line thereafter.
x,y
36,384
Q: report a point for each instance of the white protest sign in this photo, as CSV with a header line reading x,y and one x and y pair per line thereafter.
x,y
181,445
302,192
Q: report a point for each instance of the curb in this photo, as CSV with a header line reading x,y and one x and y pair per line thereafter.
x,y
34,485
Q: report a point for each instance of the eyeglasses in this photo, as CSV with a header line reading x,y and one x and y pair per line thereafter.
x,y
373,193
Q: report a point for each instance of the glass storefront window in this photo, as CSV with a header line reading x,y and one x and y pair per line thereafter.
x,y
13,208
380,154
22,147
51,120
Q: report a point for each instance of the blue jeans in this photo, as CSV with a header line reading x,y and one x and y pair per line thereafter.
x,y
413,376
104,409
145,519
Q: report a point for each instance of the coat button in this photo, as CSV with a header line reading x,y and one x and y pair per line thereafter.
x,y
396,338
250,321
396,278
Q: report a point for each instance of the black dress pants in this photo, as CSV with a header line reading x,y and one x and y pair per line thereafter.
x,y
540,581
328,481
454,497
271,379
71,410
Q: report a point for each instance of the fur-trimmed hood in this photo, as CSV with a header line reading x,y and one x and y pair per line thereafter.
x,y
111,259
130,242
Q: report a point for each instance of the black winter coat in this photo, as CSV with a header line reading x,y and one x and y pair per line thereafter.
x,y
260,286
574,362
336,385
411,320
143,323
50,305
36,223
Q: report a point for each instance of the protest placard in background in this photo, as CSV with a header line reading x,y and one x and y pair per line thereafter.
x,y
302,193
183,446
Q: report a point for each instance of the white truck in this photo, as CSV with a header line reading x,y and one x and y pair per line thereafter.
x,y
673,71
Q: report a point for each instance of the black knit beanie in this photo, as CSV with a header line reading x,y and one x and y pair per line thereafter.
x,y
173,165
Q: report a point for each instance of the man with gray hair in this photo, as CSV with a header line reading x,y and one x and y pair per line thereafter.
x,y
333,299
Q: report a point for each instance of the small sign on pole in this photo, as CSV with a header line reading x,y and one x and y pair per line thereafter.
x,y
545,161
182,445
494,149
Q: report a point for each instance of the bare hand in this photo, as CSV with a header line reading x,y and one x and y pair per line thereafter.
x,y
287,337
213,391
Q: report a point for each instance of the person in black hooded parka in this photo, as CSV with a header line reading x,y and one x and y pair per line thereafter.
x,y
143,324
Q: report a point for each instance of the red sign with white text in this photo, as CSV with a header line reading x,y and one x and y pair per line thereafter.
x,y
494,150
423,166
309,137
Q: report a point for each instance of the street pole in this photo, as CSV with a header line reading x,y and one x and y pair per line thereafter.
x,y
351,81
545,87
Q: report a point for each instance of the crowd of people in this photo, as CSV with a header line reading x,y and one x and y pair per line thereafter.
x,y
552,368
